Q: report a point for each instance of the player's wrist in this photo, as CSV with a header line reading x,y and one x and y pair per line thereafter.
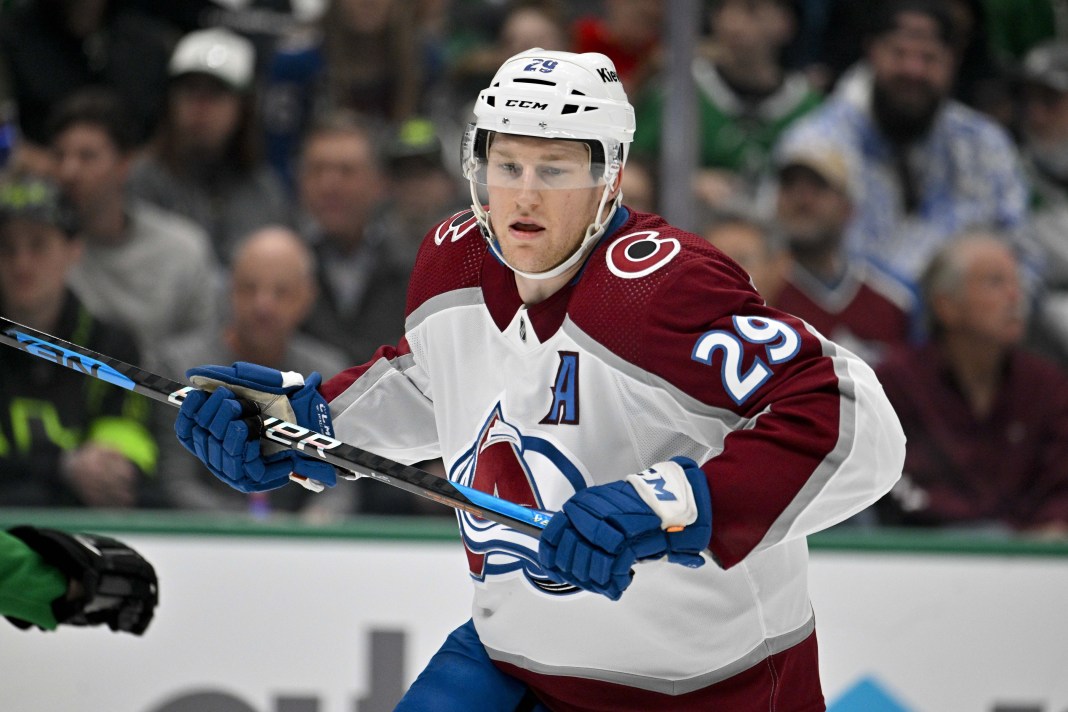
x,y
668,490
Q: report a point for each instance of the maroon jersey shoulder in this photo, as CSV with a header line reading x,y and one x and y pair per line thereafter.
x,y
649,271
664,300
450,258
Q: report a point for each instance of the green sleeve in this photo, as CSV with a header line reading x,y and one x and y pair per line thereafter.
x,y
27,584
129,437
121,422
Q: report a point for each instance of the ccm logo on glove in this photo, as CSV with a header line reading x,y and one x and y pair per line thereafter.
x,y
666,490
603,530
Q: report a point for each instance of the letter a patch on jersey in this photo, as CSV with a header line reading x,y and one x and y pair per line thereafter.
x,y
565,406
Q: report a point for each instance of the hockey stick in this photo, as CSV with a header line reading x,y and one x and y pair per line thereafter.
x,y
342,455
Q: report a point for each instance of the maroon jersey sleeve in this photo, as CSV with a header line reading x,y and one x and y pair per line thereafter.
x,y
697,324
449,258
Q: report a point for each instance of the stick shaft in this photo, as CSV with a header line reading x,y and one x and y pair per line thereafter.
x,y
337,453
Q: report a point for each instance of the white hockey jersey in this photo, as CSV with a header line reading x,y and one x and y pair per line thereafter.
x,y
659,347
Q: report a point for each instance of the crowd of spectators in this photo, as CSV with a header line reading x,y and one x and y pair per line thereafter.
x,y
189,183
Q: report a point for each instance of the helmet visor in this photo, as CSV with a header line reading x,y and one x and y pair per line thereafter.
x,y
556,166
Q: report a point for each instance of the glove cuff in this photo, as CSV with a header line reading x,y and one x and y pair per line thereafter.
x,y
667,491
254,377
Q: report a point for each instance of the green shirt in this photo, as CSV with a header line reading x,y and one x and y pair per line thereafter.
x,y
27,584
734,133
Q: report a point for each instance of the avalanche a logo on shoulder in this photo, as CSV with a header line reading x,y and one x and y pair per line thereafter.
x,y
524,468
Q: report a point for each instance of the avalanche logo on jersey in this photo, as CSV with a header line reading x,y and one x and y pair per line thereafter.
x,y
520,468
459,225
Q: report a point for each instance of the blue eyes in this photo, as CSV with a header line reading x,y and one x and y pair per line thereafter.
x,y
548,175
514,169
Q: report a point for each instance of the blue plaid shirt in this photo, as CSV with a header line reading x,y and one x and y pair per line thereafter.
x,y
967,174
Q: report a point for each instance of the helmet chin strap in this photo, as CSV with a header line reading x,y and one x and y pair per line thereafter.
x,y
593,233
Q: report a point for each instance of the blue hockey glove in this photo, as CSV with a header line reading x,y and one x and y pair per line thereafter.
x,y
603,530
222,429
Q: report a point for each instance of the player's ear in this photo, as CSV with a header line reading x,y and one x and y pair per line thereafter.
x,y
617,184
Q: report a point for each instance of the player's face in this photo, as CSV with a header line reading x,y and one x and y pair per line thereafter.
x,y
34,261
542,197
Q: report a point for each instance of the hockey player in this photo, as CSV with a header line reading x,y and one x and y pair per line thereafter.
x,y
567,353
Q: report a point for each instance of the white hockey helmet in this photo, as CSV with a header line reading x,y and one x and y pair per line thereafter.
x,y
554,95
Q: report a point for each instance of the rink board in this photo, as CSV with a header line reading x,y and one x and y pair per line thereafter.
x,y
287,621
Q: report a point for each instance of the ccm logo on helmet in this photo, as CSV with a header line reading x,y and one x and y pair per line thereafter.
x,y
641,253
527,104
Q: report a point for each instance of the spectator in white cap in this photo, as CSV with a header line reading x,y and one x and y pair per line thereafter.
x,y
206,161
845,298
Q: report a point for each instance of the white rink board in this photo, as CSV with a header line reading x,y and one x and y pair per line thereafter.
x,y
945,632
262,620
256,618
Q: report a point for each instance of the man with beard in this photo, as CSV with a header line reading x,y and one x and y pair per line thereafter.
x,y
927,166
845,298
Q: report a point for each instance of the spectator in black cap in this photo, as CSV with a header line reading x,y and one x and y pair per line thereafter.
x,y
65,440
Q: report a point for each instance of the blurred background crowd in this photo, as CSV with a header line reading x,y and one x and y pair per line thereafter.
x,y
195,181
